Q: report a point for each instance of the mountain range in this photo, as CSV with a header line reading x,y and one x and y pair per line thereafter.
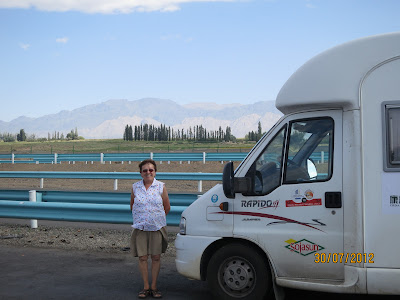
x,y
108,119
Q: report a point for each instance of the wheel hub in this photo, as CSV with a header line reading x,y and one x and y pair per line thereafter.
x,y
238,275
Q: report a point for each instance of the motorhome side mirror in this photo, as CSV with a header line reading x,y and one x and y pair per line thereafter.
x,y
242,185
232,185
228,181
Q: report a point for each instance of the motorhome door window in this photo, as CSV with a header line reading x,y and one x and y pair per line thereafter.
x,y
309,155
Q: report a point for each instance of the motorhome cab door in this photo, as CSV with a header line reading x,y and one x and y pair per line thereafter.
x,y
294,209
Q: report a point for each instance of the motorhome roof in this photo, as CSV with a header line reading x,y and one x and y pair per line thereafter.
x,y
333,78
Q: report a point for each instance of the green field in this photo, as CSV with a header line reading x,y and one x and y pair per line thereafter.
x,y
118,145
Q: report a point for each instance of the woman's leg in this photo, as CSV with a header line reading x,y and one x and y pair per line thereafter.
x,y
144,271
155,270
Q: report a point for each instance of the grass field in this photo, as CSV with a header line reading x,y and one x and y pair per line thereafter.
x,y
117,145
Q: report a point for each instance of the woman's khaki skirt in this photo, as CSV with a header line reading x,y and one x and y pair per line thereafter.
x,y
149,242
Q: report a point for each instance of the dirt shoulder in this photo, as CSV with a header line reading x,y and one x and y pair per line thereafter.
x,y
74,236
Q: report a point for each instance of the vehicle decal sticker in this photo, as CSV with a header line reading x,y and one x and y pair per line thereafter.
x,y
304,202
283,219
316,223
303,247
390,193
261,204
214,198
303,199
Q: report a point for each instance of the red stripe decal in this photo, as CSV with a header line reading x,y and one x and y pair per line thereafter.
x,y
246,213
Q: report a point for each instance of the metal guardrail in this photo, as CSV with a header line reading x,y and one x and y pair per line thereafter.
x,y
120,157
78,212
102,207
90,197
112,157
111,175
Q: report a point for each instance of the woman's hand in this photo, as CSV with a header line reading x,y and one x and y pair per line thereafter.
x,y
132,198
165,198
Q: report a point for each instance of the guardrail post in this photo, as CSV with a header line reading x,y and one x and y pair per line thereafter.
x,y
151,155
204,157
41,182
322,157
32,198
115,184
200,186
55,158
12,158
102,158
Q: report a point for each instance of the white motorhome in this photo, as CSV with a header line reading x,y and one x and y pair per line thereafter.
x,y
315,205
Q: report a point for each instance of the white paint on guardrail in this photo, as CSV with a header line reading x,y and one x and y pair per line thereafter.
x,y
32,198
200,185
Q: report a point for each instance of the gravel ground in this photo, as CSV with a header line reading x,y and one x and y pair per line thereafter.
x,y
70,236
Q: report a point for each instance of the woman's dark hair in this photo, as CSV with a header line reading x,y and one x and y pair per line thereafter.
x,y
148,161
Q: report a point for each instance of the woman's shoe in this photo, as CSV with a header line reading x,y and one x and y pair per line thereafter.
x,y
156,294
144,293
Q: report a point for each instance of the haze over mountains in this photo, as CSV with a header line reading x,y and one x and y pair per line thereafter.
x,y
108,119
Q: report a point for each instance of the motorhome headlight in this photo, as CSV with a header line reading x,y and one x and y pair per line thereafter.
x,y
182,226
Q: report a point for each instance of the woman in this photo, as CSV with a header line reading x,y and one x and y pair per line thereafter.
x,y
149,206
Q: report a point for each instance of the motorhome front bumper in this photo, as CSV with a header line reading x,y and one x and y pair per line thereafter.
x,y
189,250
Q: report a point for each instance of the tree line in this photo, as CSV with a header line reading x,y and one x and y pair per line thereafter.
x,y
20,137
255,135
146,132
149,132
23,137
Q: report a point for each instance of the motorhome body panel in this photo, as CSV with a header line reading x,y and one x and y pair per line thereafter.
x,y
352,185
332,78
382,217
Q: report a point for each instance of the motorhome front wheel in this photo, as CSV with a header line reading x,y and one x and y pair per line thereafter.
x,y
238,272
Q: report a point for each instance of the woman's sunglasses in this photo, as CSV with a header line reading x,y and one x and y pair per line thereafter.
x,y
145,170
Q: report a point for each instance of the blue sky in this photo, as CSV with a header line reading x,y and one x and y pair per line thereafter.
x,y
60,55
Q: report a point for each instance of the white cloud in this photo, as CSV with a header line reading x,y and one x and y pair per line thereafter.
x,y
24,46
62,40
102,6
310,5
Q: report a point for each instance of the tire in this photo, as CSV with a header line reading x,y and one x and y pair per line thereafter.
x,y
237,271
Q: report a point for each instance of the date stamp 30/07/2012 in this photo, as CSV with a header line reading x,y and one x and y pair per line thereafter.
x,y
352,258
